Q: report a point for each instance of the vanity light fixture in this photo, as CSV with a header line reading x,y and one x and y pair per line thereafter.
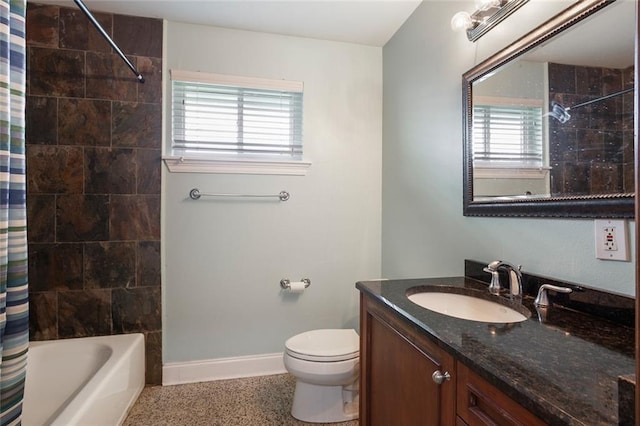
x,y
488,14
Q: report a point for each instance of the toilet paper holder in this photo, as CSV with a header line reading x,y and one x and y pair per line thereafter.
x,y
286,284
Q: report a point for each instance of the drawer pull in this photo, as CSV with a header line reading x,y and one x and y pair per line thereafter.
x,y
439,377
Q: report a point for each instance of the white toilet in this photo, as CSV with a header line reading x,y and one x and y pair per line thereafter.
x,y
325,364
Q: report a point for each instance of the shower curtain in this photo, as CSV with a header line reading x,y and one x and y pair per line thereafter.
x,y
14,297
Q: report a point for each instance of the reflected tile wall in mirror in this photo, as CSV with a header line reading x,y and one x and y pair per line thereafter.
x,y
592,153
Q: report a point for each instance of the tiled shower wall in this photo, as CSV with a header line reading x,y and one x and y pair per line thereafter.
x,y
592,153
93,178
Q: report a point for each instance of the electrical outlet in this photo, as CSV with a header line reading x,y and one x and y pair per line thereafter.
x,y
611,239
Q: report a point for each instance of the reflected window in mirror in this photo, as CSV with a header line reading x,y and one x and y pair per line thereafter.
x,y
509,139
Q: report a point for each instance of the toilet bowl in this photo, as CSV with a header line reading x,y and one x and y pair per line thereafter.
x,y
325,364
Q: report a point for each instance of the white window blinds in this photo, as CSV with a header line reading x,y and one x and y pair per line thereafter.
x,y
218,115
509,135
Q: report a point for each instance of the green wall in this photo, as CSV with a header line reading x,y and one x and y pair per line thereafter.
x,y
423,230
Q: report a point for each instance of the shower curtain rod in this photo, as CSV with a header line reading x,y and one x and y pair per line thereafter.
x,y
104,34
602,98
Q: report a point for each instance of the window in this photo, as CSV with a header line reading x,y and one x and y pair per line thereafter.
x,y
508,136
221,119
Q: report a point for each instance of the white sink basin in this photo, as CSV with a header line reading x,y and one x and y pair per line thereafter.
x,y
467,307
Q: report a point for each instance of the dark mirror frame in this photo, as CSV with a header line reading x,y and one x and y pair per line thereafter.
x,y
601,206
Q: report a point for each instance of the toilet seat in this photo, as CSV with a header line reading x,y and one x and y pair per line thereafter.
x,y
327,345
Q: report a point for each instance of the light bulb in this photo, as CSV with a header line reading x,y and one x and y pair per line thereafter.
x,y
487,4
461,21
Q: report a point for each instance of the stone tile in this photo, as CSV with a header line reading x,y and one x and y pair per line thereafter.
x,y
589,81
628,146
136,310
54,169
607,115
628,177
605,178
43,25
151,90
627,112
84,122
109,171
591,146
77,32
563,145
82,218
587,146
137,125
55,266
149,171
576,179
629,161
135,217
109,264
580,118
153,357
148,264
41,218
67,225
614,149
54,72
138,36
108,77
628,77
562,78
612,80
41,115
43,315
84,313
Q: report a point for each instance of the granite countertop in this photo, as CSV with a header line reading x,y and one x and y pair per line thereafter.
x,y
564,370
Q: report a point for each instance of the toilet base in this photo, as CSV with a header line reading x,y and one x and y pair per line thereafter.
x,y
324,404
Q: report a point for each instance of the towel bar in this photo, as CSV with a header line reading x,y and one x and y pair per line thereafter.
x,y
195,194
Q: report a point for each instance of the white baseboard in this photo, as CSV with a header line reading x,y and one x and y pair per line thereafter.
x,y
176,373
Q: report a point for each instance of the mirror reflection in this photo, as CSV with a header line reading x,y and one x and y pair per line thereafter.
x,y
557,121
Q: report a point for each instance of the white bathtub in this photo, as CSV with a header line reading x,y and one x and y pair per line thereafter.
x,y
85,381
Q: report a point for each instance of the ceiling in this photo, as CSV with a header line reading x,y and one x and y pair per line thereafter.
x,y
606,39
368,22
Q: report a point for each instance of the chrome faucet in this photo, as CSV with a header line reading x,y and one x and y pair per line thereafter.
x,y
515,278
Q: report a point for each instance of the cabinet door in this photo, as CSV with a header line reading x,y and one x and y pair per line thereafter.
x,y
398,388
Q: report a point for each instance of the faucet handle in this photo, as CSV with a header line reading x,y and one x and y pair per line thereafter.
x,y
494,287
542,300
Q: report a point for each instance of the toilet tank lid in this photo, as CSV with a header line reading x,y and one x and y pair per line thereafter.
x,y
326,342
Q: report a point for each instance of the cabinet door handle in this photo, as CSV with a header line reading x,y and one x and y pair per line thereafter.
x,y
439,377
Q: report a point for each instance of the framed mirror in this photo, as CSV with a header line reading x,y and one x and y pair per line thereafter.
x,y
548,121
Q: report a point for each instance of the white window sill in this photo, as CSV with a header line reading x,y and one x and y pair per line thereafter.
x,y
252,167
510,173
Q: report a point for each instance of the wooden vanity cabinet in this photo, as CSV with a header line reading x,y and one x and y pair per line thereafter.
x,y
397,364
397,387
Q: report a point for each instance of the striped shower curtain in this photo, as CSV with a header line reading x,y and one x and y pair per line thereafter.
x,y
14,298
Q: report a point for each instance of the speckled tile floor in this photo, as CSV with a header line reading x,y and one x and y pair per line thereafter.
x,y
254,401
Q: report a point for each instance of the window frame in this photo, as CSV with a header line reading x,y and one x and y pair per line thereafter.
x,y
177,161
518,167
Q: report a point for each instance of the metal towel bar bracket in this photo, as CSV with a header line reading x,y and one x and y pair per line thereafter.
x,y
195,194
